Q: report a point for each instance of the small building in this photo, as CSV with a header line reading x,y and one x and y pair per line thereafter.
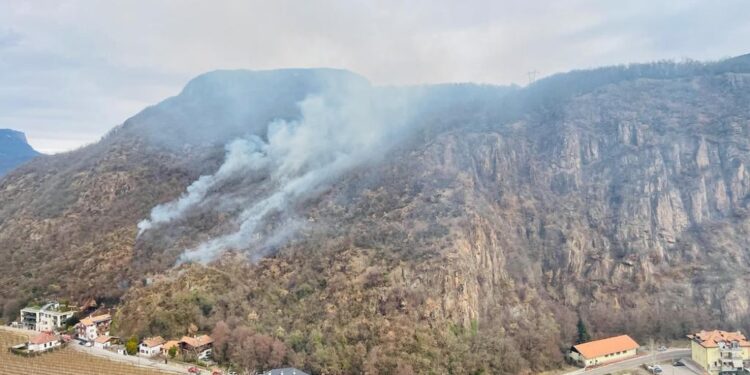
x,y
91,327
285,371
49,317
43,342
720,352
603,351
169,345
118,348
104,341
200,347
151,346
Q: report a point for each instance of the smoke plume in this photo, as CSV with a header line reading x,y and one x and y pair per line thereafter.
x,y
336,131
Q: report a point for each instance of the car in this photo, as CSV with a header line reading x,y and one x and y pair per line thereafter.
x,y
661,348
678,363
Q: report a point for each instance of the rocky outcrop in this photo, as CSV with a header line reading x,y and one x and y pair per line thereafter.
x,y
14,150
475,244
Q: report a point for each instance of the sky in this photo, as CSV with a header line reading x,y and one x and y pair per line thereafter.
x,y
72,70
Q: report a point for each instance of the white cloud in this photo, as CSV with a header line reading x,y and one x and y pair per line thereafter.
x,y
80,67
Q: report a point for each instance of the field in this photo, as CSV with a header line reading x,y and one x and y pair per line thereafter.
x,y
63,362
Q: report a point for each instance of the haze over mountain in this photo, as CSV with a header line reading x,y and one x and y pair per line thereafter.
x,y
433,229
14,150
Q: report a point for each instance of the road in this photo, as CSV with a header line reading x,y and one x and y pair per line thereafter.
x,y
668,355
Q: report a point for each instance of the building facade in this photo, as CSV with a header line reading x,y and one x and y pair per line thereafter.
x,y
151,346
43,342
50,317
93,326
599,352
720,352
200,347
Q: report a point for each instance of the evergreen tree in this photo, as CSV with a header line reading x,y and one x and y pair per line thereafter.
x,y
583,333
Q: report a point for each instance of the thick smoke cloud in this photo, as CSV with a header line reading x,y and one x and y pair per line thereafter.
x,y
336,131
242,155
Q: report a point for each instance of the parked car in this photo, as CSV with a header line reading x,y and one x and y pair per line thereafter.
x,y
654,369
678,363
661,348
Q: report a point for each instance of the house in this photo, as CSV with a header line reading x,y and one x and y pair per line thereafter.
x,y
104,341
720,352
603,351
199,346
91,327
49,317
151,346
285,371
169,345
43,342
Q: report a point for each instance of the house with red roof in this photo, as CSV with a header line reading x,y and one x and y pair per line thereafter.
x,y
720,352
91,327
43,342
200,347
599,352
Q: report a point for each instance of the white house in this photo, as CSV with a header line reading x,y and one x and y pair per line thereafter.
x,y
151,346
43,342
49,317
91,327
103,341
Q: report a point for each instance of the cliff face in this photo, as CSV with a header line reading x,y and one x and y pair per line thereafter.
x,y
14,150
474,244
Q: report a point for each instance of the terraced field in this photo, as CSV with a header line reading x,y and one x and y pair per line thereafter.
x,y
62,362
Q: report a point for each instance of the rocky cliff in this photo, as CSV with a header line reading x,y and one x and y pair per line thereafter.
x,y
617,195
14,150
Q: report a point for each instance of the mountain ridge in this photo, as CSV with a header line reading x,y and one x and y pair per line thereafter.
x,y
475,243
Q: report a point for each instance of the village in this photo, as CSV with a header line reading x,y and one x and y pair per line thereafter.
x,y
54,325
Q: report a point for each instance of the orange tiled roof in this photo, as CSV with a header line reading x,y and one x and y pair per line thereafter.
x,y
43,338
153,341
102,339
169,344
598,348
711,339
91,320
197,341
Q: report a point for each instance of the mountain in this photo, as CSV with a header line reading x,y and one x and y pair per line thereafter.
x,y
14,150
342,227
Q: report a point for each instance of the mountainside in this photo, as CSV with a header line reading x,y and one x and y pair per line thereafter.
x,y
14,150
435,229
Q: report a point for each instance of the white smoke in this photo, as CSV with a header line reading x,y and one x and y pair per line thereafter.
x,y
241,154
334,134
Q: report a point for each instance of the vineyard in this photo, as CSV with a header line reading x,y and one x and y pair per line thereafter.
x,y
62,362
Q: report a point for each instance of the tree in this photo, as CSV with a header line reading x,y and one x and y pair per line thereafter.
x,y
172,351
221,335
131,347
583,333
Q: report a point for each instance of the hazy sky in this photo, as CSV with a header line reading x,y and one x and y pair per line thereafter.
x,y
71,70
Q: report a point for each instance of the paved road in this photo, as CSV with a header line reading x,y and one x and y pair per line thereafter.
x,y
668,355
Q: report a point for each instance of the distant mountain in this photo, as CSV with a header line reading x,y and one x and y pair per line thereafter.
x,y
14,150
345,228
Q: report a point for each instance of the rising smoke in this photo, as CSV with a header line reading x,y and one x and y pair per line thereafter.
x,y
336,131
